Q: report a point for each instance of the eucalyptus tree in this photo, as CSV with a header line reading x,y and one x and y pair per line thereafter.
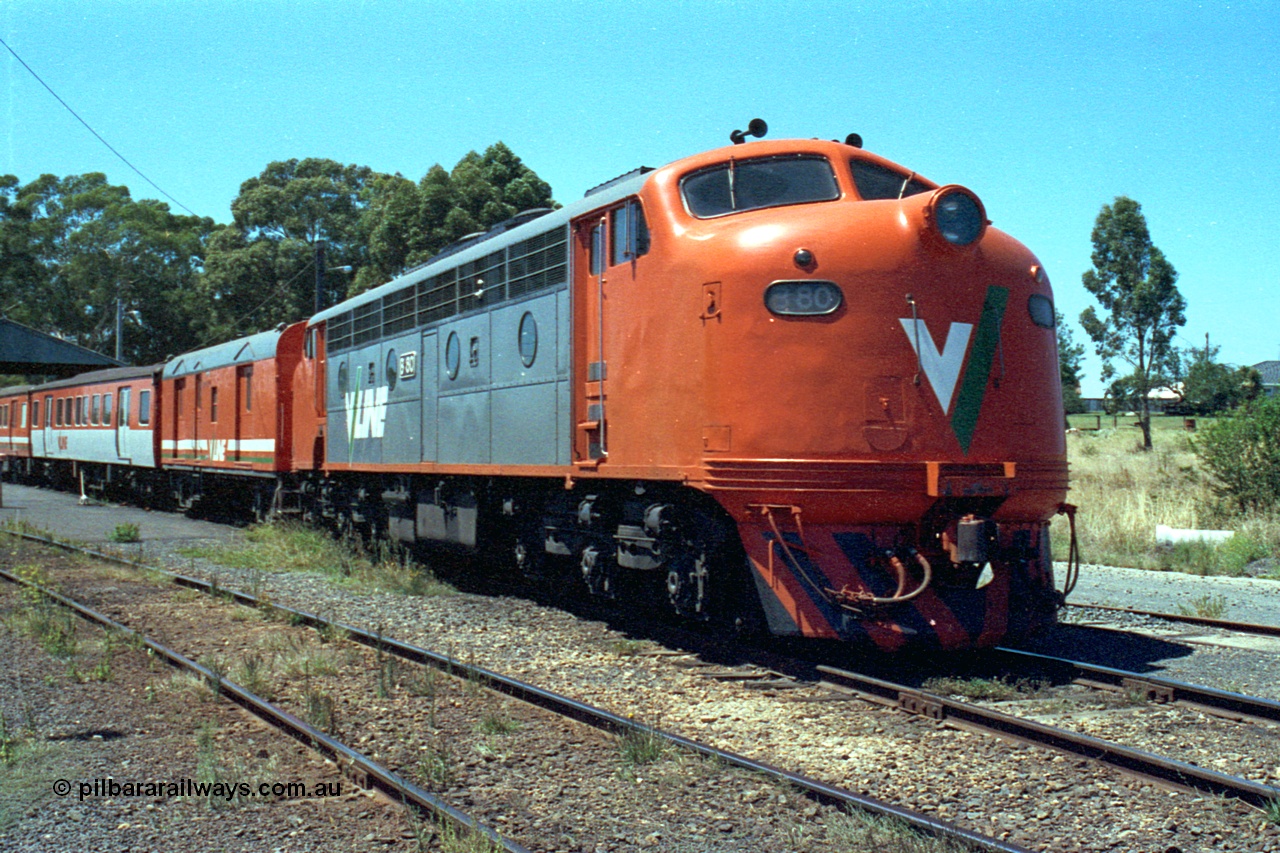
x,y
260,270
1136,287
77,252
406,224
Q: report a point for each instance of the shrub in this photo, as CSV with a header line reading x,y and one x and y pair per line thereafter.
x,y
126,532
1242,452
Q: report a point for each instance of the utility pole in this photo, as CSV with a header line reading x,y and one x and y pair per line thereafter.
x,y
319,306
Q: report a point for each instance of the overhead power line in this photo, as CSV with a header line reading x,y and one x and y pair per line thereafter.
x,y
123,159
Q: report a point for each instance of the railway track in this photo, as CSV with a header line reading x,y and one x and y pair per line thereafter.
x,y
974,717
1189,619
782,679
359,767
369,772
770,672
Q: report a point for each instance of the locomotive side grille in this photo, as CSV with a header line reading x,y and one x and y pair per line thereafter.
x,y
877,476
367,323
340,332
437,297
540,262
398,311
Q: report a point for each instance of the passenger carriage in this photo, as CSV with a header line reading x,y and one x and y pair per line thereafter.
x,y
16,417
97,430
226,430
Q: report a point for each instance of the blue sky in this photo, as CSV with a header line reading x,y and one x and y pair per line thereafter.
x,y
1046,110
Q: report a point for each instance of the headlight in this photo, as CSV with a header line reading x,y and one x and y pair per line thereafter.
x,y
958,215
803,298
1041,310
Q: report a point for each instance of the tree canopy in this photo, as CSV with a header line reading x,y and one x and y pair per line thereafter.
x,y
1136,286
70,247
1070,366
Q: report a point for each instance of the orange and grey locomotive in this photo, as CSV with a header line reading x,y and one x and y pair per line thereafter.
x,y
787,382
789,378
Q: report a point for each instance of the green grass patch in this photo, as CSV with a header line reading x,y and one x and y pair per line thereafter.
x,y
126,532
864,831
497,724
27,774
984,689
1206,607
640,746
295,547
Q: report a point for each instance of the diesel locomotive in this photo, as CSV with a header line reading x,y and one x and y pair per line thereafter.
x,y
782,381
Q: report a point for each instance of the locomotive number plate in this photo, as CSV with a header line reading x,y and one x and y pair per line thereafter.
x,y
408,365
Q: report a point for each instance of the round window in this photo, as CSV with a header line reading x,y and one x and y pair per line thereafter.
x,y
344,378
528,339
453,355
393,372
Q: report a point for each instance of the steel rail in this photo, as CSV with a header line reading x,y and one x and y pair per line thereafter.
x,y
1187,777
1210,700
580,711
362,769
1224,624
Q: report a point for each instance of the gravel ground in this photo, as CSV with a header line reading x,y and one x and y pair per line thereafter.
x,y
72,721
1246,599
1025,795
539,779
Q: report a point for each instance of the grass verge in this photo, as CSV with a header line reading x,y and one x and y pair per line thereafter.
x,y
294,547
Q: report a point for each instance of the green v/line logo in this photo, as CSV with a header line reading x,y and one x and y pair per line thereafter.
x,y
943,368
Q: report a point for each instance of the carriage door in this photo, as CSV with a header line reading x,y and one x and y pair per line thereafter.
x,y
179,419
242,410
47,432
122,425
197,416
590,365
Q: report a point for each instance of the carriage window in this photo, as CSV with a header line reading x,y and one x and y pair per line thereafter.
x,y
79,411
247,372
35,413
93,409
765,182
106,410
213,404
4,416
144,407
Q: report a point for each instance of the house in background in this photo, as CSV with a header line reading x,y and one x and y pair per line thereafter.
x,y
1270,371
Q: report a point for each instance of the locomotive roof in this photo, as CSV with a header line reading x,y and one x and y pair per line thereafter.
x,y
110,374
496,238
240,351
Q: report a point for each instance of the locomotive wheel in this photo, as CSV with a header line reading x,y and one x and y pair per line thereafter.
x,y
598,574
688,587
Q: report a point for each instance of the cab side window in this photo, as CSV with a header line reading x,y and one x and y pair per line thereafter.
x,y
629,235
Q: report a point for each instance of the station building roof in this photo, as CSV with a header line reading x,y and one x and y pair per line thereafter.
x,y
24,350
